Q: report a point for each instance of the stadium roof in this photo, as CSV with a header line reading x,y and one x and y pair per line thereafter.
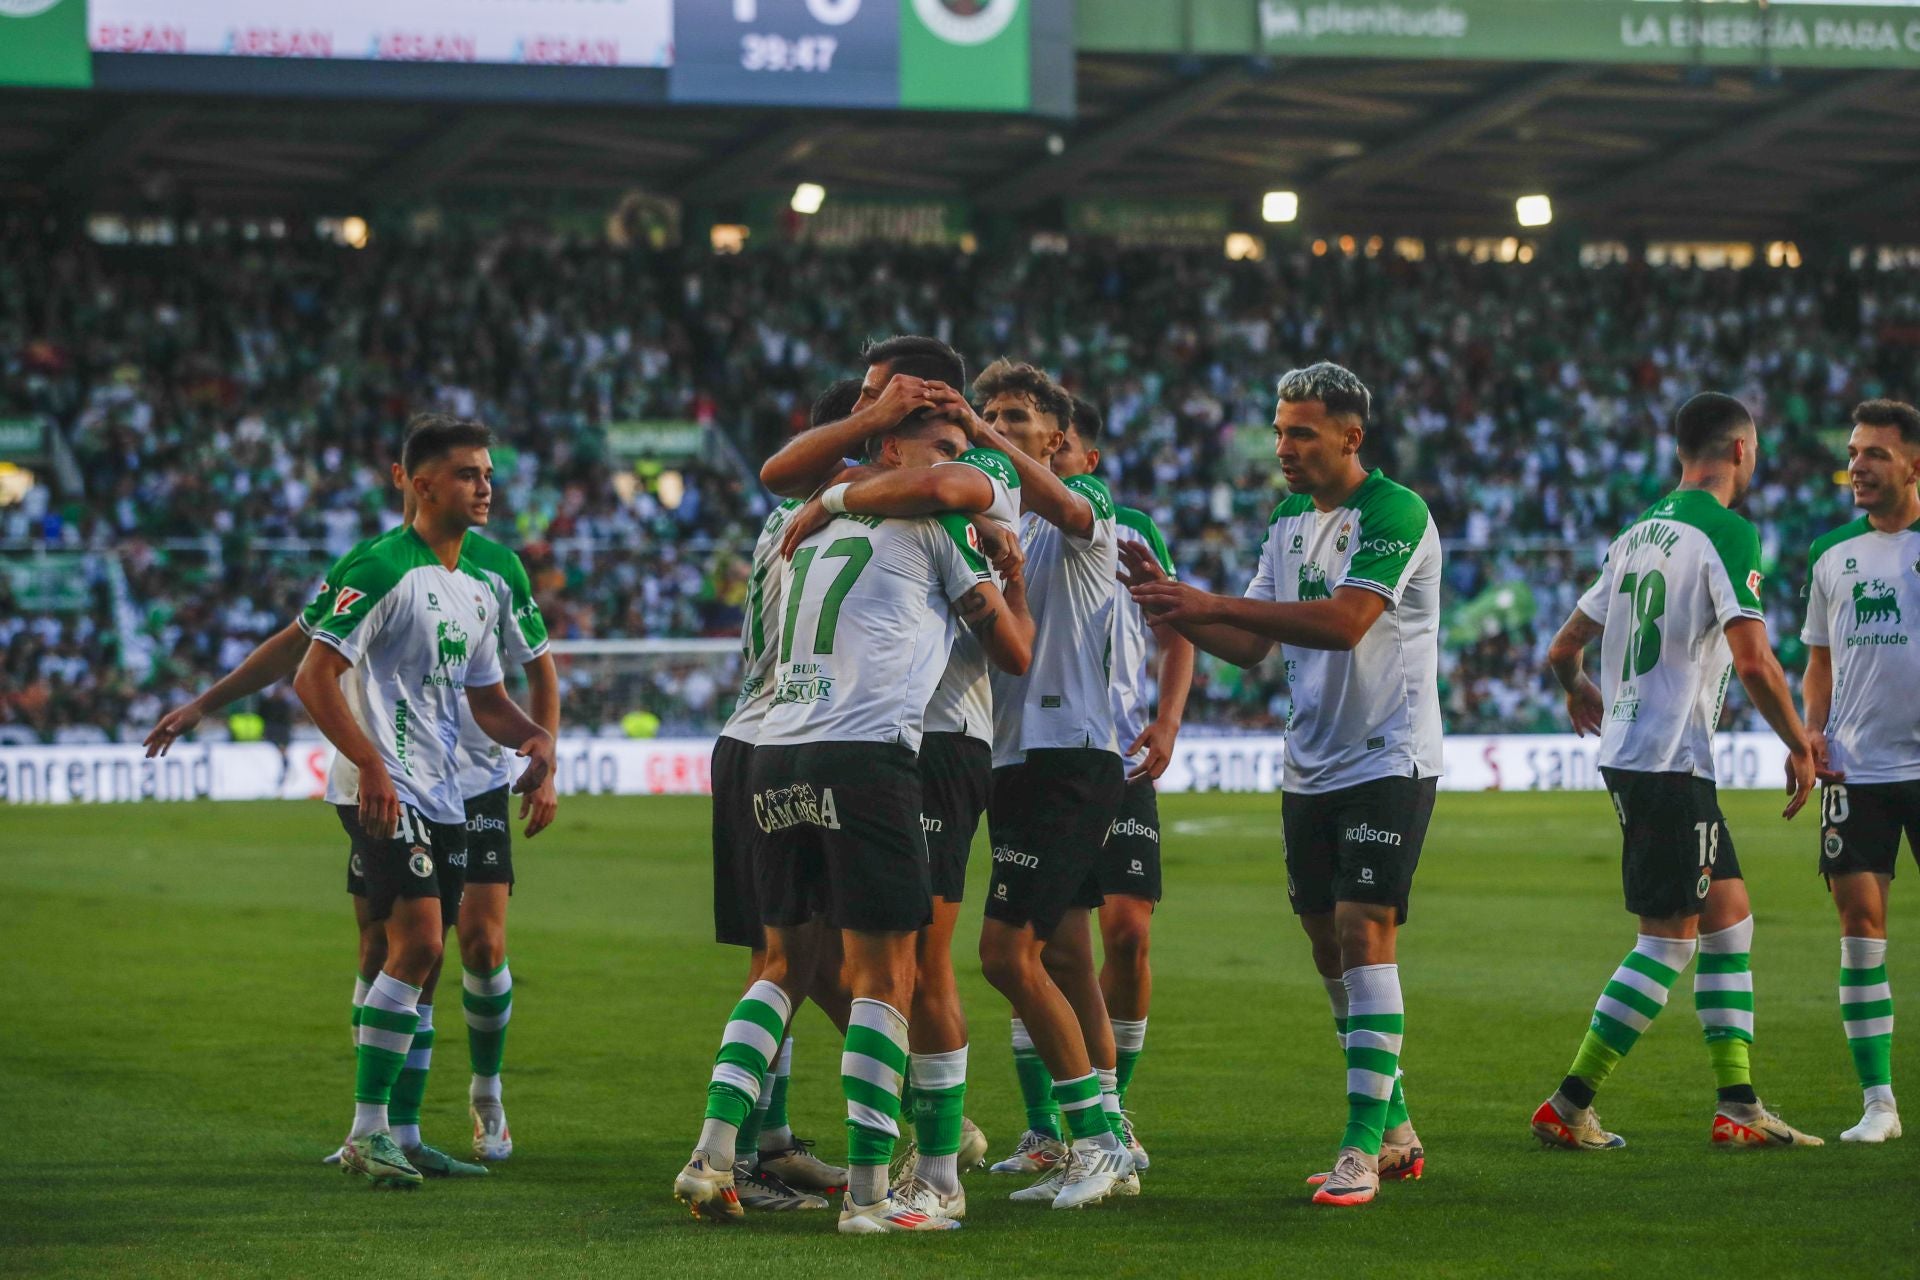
x,y
1394,147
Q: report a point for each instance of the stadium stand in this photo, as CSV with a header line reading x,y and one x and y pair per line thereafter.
x,y
232,406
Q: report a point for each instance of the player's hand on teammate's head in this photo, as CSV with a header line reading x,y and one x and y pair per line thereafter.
x,y
1800,775
903,396
538,806
807,521
1586,708
537,751
1138,565
954,403
175,724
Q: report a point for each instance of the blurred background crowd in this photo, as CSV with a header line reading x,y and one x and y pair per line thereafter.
x,y
225,413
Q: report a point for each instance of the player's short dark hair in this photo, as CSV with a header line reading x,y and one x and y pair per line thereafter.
x,y
918,357
1889,413
909,427
432,436
1088,422
1007,377
1338,389
835,403
1707,424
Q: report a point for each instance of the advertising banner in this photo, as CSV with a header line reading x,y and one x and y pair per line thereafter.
x,y
44,43
1815,33
678,766
585,33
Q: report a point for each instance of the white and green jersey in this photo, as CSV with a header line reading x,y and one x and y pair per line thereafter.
x,y
1671,583
1863,602
1133,688
1062,701
1374,711
760,629
419,635
866,626
484,764
963,700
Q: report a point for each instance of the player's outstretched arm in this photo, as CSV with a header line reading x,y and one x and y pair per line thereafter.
x,y
1566,656
538,806
501,719
1187,610
1175,680
1766,685
1816,700
272,660
318,685
1001,623
811,458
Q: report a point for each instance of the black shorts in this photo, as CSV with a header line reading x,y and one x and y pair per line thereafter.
x,y
1130,864
1860,826
1049,820
1357,844
842,837
489,842
422,859
956,781
1674,841
736,838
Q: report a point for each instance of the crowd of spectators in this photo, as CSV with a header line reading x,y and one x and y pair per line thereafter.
x,y
232,407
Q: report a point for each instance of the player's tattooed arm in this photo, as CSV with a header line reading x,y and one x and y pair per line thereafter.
x,y
1585,707
1001,623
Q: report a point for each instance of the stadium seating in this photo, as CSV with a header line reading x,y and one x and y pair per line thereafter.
x,y
232,406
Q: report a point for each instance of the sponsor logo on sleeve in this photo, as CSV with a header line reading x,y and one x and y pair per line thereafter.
x,y
1753,582
347,598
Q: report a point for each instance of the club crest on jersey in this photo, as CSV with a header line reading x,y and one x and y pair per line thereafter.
x,y
347,598
1706,883
419,863
1346,537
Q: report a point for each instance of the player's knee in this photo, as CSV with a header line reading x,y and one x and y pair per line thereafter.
x,y
1008,968
484,951
1126,940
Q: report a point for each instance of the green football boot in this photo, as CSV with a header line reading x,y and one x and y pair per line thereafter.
x,y
380,1159
436,1163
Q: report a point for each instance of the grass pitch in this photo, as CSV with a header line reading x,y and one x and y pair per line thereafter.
x,y
175,1061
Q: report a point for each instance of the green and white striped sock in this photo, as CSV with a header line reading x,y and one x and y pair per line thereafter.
x,y
487,1000
1376,1025
1397,1101
381,1042
775,1133
1081,1107
1723,997
939,1100
872,1069
360,988
1628,1004
1129,1042
751,1039
1866,1010
1036,1086
746,1144
410,1087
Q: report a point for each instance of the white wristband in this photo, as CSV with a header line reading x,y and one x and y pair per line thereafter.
x,y
835,499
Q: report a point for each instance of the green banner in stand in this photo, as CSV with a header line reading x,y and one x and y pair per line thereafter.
x,y
52,583
656,440
844,222
22,439
1731,32
1152,223
44,42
